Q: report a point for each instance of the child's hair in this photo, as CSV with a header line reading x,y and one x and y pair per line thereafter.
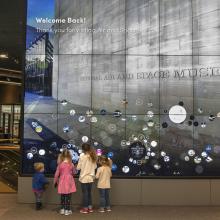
x,y
65,155
38,166
104,161
88,149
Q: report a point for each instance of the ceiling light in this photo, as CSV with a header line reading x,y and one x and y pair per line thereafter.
x,y
4,56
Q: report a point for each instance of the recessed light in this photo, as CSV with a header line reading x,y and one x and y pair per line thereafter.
x,y
4,56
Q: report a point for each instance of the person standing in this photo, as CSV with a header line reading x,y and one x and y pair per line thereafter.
x,y
104,175
64,180
39,184
87,166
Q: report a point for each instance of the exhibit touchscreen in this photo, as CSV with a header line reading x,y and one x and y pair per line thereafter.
x,y
137,79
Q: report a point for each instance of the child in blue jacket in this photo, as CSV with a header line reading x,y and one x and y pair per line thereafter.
x,y
39,184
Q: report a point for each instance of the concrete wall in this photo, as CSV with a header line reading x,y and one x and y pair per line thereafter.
x,y
140,192
180,31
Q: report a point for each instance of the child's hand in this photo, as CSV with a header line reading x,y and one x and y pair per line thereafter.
x,y
55,185
46,186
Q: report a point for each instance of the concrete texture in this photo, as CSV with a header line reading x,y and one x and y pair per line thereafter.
x,y
170,35
152,192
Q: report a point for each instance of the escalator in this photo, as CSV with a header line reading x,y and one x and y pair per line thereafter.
x,y
9,146
9,168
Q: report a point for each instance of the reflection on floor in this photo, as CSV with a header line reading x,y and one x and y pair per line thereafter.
x,y
10,210
4,188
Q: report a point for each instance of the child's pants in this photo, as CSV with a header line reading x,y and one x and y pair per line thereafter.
x,y
104,198
38,197
87,195
65,201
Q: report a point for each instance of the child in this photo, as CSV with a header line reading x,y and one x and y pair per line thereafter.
x,y
65,181
104,175
39,183
87,166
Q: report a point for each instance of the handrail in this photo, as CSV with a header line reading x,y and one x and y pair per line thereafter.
x,y
6,147
10,70
9,158
15,83
15,153
10,139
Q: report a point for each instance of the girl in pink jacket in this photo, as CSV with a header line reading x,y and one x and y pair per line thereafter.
x,y
65,181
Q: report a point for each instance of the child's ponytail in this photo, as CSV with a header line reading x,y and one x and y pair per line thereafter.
x,y
65,155
88,149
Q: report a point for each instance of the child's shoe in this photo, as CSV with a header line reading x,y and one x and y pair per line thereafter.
x,y
108,209
67,212
70,212
101,210
62,211
90,210
84,211
38,206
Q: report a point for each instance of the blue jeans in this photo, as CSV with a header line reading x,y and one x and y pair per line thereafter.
x,y
104,198
87,195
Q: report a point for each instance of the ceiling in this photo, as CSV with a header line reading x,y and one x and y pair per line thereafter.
x,y
11,33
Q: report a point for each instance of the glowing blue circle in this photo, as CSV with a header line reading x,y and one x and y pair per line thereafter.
x,y
110,154
208,147
30,156
75,156
114,167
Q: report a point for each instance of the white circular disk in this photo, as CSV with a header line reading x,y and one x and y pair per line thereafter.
x,y
85,139
42,152
177,114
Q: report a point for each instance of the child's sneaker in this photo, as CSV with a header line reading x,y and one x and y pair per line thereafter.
x,y
84,211
67,212
90,210
62,211
101,210
38,206
108,210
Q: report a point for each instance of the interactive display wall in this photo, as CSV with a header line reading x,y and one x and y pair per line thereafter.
x,y
137,79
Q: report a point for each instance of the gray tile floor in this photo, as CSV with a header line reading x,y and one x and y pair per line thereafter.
x,y
11,210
